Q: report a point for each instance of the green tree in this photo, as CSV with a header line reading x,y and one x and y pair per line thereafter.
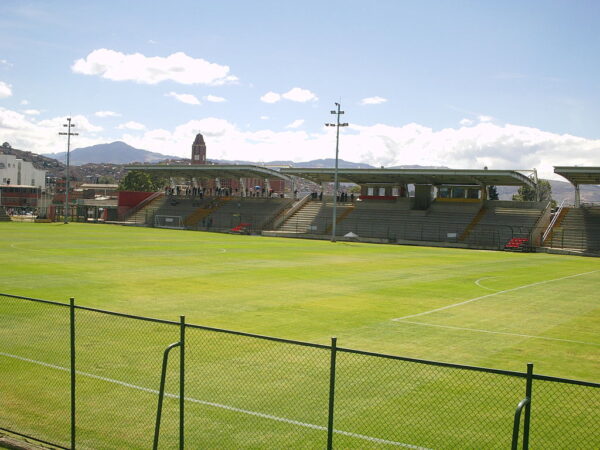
x,y
107,179
139,181
493,193
528,194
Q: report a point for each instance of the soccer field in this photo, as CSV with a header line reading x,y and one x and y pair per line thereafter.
x,y
483,308
480,308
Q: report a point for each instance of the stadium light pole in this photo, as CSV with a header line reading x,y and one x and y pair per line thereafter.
x,y
337,125
69,125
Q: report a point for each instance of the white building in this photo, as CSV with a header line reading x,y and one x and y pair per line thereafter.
x,y
15,171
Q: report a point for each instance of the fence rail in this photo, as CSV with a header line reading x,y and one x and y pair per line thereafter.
x,y
74,376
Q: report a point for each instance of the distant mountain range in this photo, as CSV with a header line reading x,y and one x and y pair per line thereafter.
x,y
114,153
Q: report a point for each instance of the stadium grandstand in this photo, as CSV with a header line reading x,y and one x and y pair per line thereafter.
x,y
439,207
576,227
442,207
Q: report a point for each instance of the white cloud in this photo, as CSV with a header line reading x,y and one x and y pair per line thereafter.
x,y
131,125
270,97
300,95
264,117
373,101
177,67
24,133
107,114
5,90
184,98
214,99
295,95
24,102
31,112
484,119
81,123
484,144
466,122
296,123
4,62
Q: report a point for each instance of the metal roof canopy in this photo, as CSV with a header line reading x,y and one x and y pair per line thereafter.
x,y
209,171
415,176
579,175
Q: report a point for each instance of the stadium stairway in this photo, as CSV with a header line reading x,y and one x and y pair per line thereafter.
x,y
578,229
139,217
340,217
301,221
473,224
315,217
192,219
4,217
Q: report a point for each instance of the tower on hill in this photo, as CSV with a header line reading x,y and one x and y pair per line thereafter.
x,y
199,150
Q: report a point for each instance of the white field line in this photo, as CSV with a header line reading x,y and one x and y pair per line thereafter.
x,y
218,405
485,287
14,245
493,294
476,330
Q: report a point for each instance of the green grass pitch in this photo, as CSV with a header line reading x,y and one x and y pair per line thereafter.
x,y
482,308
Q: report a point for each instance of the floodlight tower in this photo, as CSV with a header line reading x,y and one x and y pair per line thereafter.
x,y
69,125
337,125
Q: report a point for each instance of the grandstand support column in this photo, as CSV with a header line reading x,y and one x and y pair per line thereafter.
x,y
577,196
242,187
484,193
537,185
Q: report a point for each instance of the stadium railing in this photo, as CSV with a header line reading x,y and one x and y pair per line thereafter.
x,y
74,376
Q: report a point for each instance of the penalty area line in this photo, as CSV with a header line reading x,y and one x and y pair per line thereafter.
x,y
485,287
476,330
218,405
493,294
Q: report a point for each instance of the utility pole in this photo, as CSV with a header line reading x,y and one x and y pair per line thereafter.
x,y
335,176
69,125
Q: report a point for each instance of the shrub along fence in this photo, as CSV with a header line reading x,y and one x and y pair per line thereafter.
x,y
73,376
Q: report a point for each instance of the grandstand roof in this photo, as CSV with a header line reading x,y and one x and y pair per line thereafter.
x,y
210,171
579,175
415,176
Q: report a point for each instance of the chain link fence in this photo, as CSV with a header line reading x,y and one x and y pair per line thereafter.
x,y
80,377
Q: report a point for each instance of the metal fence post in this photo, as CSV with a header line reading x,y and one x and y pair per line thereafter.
x,y
182,384
331,393
527,418
72,368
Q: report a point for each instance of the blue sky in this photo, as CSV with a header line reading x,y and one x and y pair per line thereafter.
x,y
510,85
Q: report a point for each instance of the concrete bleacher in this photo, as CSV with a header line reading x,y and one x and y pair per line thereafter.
x,y
578,230
375,218
503,221
395,220
255,213
4,217
315,217
178,206
479,224
388,219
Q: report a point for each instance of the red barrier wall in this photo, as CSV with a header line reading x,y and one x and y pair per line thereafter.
x,y
131,199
